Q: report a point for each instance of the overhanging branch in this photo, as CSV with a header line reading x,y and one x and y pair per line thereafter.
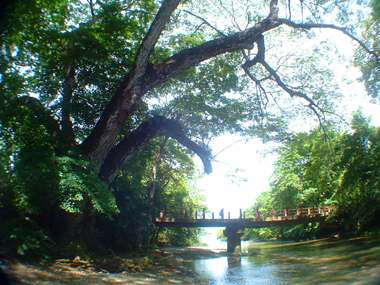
x,y
135,140
260,58
308,26
160,73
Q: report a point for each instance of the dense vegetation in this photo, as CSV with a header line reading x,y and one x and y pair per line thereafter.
x,y
103,104
331,168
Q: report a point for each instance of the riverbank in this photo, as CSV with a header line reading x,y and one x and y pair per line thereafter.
x,y
324,261
158,266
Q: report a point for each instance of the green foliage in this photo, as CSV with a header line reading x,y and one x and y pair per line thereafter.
x,y
298,232
375,9
6,179
47,36
359,194
156,179
179,236
23,237
29,243
203,103
368,63
305,172
79,181
36,170
259,234
317,169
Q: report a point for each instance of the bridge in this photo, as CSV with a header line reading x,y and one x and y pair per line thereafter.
x,y
234,226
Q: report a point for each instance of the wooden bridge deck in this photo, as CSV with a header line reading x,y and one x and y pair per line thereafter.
x,y
241,223
234,227
282,218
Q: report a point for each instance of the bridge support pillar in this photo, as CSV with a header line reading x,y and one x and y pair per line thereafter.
x,y
233,235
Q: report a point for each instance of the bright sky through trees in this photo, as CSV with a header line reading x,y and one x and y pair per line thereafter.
x,y
242,171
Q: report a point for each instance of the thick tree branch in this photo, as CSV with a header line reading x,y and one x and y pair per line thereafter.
x,y
150,40
159,73
91,4
122,104
308,26
273,10
260,56
134,141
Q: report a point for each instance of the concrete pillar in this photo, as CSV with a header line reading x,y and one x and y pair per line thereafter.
x,y
233,235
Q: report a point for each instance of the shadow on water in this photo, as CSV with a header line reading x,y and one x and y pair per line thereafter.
x,y
353,261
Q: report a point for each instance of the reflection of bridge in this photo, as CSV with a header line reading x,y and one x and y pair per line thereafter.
x,y
235,226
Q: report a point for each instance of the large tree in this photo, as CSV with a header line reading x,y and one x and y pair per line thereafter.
x,y
102,61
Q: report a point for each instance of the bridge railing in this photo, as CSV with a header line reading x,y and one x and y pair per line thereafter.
x,y
275,215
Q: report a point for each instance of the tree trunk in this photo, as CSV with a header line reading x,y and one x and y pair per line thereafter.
x,y
129,92
67,133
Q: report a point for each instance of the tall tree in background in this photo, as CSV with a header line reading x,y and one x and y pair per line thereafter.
x,y
306,173
358,194
341,170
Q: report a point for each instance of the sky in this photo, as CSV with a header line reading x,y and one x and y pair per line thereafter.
x,y
241,172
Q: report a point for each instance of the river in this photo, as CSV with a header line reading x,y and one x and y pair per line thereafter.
x,y
341,262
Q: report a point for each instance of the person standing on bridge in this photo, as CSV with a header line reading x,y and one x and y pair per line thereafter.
x,y
274,214
221,213
258,214
299,211
286,213
162,215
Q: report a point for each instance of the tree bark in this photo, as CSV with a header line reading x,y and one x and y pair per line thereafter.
x,y
67,133
123,103
134,141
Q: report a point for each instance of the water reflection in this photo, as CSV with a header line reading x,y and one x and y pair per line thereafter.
x,y
317,262
234,270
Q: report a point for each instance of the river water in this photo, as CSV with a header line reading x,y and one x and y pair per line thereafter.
x,y
313,262
341,262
